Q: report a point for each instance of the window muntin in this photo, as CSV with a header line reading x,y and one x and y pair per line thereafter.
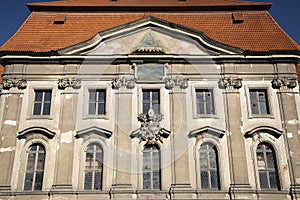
x,y
259,102
97,102
151,100
205,102
42,102
209,169
35,167
267,168
93,167
151,167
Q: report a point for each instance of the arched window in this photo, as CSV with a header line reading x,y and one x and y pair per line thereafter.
x,y
209,169
267,168
93,167
151,167
35,167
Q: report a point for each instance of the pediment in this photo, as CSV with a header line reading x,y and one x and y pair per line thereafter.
x,y
150,36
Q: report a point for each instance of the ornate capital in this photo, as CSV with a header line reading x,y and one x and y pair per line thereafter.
x,y
177,82
9,83
229,82
150,130
290,83
69,82
126,82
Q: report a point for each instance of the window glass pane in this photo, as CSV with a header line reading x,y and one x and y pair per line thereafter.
x,y
46,110
48,95
89,161
156,108
263,108
253,96
155,96
200,108
101,109
146,95
263,179
146,180
101,97
270,160
204,180
88,181
38,181
199,95
41,161
261,96
31,161
146,107
214,180
261,160
38,95
37,108
92,96
156,180
254,108
92,108
98,179
273,180
28,181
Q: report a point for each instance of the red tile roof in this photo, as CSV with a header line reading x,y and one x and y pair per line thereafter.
x,y
257,32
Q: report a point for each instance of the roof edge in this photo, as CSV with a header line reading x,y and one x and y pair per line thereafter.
x,y
35,7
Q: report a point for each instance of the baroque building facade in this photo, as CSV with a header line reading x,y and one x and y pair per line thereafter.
x,y
181,99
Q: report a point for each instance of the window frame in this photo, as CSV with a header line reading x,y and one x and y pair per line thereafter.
x,y
276,168
97,101
151,170
269,102
34,171
93,170
86,101
194,100
42,102
161,96
31,100
216,151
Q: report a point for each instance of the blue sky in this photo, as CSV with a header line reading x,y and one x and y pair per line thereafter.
x,y
14,12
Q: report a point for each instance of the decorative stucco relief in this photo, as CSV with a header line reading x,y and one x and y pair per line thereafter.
x,y
69,82
150,130
176,82
289,82
230,83
124,82
9,83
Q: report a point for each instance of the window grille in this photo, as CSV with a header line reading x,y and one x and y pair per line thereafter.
x,y
42,102
267,168
35,167
151,100
259,102
97,102
205,102
151,167
93,167
209,169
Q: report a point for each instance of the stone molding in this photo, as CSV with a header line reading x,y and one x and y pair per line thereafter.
x,y
177,82
69,82
9,83
229,82
288,82
124,82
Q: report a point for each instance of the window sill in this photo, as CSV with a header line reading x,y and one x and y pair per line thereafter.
x,y
212,116
96,117
270,116
33,117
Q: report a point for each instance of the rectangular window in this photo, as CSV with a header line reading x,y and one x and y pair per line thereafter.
x,y
42,102
205,102
259,102
97,102
151,100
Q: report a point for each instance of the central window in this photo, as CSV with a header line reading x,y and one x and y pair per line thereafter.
x,y
93,167
151,100
97,102
151,167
